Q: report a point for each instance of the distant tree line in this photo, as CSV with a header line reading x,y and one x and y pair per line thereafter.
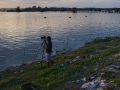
x,y
39,9
74,9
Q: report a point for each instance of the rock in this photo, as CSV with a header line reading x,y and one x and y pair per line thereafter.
x,y
117,67
72,81
110,87
99,88
92,78
69,82
111,81
113,76
77,81
108,46
21,70
27,86
84,67
83,79
77,57
84,56
89,85
97,63
95,69
11,69
54,64
102,74
62,65
71,61
2,77
74,60
38,62
27,69
67,62
96,52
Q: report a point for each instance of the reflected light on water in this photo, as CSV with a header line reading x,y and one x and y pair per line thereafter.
x,y
21,32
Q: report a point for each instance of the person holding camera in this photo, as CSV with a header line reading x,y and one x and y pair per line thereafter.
x,y
48,48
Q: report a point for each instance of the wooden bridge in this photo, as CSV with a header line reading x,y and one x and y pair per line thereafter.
x,y
105,10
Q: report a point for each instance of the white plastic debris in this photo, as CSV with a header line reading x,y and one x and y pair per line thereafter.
x,y
89,85
83,79
85,85
93,84
116,67
102,84
92,77
77,57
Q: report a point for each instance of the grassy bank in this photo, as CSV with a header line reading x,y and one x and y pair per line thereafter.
x,y
94,57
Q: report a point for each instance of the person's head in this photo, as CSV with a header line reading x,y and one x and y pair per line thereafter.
x,y
48,38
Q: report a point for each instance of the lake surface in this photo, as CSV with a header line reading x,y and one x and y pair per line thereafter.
x,y
20,33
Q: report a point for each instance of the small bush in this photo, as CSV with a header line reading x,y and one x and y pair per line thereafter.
x,y
100,39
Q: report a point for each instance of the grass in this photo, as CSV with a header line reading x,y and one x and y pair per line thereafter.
x,y
117,81
55,77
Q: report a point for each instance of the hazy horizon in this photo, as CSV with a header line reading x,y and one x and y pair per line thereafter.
x,y
60,3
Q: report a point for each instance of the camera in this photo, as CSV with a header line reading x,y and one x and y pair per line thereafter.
x,y
43,37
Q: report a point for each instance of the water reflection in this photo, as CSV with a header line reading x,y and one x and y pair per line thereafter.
x,y
21,32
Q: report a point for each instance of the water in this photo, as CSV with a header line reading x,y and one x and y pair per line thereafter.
x,y
20,33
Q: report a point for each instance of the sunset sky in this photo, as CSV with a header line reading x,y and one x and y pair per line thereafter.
x,y
59,3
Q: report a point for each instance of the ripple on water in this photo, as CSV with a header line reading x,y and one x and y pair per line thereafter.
x,y
22,32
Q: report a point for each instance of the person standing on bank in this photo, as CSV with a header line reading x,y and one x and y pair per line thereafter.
x,y
48,48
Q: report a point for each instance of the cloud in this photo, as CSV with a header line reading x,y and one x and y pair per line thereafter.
x,y
1,2
90,1
69,0
59,3
47,1
36,0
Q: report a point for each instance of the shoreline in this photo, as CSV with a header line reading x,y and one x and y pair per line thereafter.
x,y
15,66
95,58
